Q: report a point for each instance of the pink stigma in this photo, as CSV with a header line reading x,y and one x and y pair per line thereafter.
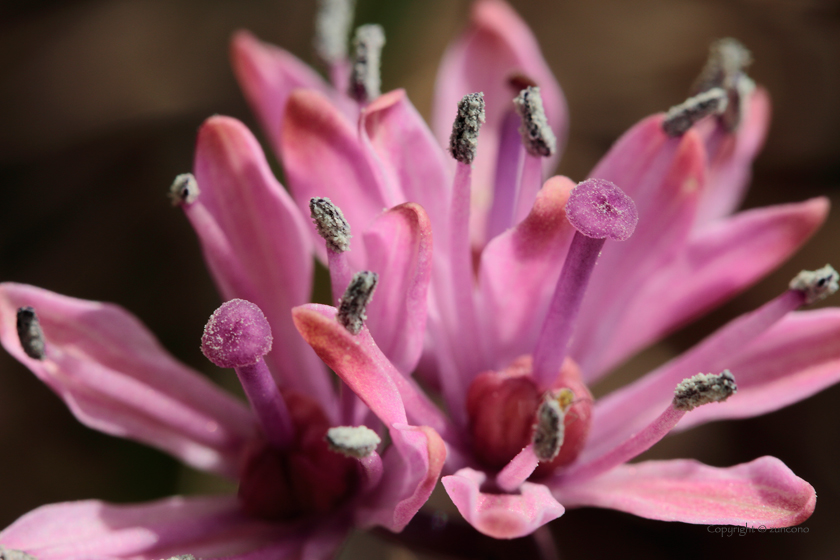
x,y
237,335
599,209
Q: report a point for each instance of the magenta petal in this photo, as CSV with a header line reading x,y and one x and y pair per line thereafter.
x,y
115,377
412,466
267,76
411,158
795,359
269,261
323,156
203,526
717,262
501,516
519,271
497,46
399,249
763,492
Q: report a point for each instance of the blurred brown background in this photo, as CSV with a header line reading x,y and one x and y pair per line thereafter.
x,y
99,104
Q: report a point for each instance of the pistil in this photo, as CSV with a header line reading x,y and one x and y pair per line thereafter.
x,y
238,336
331,225
598,210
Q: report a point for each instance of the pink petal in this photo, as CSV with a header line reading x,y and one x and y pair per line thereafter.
x,y
411,159
501,516
519,271
203,526
497,46
717,263
268,75
412,466
115,377
664,177
268,261
795,359
399,249
323,156
730,161
763,492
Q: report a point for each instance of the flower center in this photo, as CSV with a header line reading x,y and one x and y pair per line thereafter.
x,y
503,411
303,479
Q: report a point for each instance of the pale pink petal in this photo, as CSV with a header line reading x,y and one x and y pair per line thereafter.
x,y
795,359
268,74
717,263
399,249
501,516
518,274
412,161
762,493
665,177
323,156
268,261
86,530
412,466
497,46
730,160
115,377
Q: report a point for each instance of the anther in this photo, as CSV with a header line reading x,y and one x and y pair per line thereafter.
x,y
331,225
816,284
30,334
537,136
365,81
184,189
727,59
463,142
352,441
680,118
332,26
183,557
549,429
704,388
351,311
599,209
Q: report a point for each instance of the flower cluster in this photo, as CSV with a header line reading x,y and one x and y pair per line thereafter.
x,y
453,257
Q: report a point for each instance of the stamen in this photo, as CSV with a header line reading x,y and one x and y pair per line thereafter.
x,y
598,210
509,162
238,336
727,58
351,312
331,225
184,189
352,441
549,429
704,388
816,284
30,334
365,81
11,554
332,26
537,136
463,142
739,97
680,118
183,557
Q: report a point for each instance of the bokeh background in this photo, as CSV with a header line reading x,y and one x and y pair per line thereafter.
x,y
99,104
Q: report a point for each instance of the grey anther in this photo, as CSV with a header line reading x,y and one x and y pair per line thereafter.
x,y
726,68
816,284
704,388
537,136
549,429
351,309
463,142
332,27
12,554
30,334
365,81
184,189
682,117
353,441
330,223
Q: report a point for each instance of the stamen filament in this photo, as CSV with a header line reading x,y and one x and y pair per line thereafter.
x,y
529,185
509,164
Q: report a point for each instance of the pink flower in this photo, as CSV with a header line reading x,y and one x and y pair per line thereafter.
x,y
299,493
514,278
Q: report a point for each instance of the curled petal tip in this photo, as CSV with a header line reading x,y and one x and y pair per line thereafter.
x,y
237,334
599,209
